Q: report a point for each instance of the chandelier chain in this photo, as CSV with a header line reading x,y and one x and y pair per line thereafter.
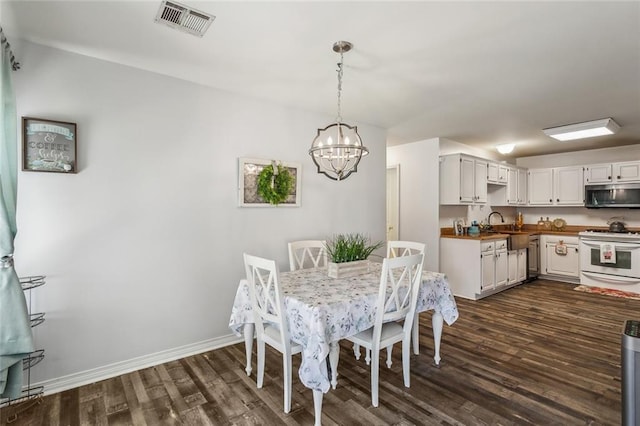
x,y
339,117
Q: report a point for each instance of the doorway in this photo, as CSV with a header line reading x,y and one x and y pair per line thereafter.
x,y
393,202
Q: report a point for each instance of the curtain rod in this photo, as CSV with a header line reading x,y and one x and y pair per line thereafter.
x,y
15,65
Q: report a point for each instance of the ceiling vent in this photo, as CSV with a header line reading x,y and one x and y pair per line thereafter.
x,y
184,18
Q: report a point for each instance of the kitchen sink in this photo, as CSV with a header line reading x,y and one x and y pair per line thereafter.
x,y
517,239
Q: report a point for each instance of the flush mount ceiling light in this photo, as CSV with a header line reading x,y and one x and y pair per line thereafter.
x,y
605,126
506,148
337,149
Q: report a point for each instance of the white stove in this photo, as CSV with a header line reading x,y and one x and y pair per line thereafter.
x,y
610,259
604,235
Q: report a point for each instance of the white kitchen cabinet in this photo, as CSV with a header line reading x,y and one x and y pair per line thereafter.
x,y
503,174
521,274
495,268
517,266
561,186
522,186
488,262
540,187
560,256
463,179
497,173
492,172
517,186
480,181
568,186
597,173
501,264
475,268
628,171
513,265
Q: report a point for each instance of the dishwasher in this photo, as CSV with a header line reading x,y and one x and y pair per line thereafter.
x,y
533,258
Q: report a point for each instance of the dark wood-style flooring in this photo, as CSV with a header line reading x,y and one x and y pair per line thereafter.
x,y
537,354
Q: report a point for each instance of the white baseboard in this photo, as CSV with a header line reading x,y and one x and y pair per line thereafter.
x,y
74,380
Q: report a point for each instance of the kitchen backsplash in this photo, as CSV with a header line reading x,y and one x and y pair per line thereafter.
x,y
572,215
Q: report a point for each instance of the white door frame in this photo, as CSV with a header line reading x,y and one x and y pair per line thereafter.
x,y
393,202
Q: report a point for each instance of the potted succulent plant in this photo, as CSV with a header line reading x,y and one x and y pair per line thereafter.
x,y
348,254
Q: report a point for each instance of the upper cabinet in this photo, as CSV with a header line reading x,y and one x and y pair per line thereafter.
x,y
497,173
628,171
540,187
463,179
560,186
517,187
568,186
597,173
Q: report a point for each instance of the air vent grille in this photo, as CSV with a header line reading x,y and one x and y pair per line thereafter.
x,y
184,18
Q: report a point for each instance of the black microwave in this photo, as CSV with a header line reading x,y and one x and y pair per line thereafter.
x,y
626,195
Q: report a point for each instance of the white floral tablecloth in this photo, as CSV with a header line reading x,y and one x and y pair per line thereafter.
x,y
322,310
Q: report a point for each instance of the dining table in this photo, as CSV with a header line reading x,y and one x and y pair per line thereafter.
x,y
321,311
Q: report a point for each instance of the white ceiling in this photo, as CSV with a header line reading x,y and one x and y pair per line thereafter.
x,y
479,73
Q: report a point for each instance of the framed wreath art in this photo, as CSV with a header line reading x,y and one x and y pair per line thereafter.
x,y
264,183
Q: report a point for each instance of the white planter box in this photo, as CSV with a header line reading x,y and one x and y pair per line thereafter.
x,y
348,269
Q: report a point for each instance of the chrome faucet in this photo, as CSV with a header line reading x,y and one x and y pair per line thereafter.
x,y
491,214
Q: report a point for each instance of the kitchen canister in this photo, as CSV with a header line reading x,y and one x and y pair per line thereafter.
x,y
474,230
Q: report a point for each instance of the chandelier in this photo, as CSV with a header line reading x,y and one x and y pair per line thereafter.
x,y
337,149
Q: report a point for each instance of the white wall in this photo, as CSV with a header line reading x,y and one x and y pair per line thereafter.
x,y
448,146
143,247
419,170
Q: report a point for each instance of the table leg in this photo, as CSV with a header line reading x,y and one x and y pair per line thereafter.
x,y
317,407
334,356
415,333
248,344
436,321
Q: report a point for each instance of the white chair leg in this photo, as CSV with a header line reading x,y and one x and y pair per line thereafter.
x,y
260,377
375,371
406,353
317,407
367,358
356,351
286,372
415,332
389,362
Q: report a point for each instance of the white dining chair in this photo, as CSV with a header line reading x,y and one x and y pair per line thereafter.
x,y
404,248
307,254
397,300
397,249
271,325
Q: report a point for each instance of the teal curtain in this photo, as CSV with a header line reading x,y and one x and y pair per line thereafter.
x,y
16,340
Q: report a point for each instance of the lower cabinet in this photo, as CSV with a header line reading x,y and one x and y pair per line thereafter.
x,y
517,266
493,255
478,268
560,257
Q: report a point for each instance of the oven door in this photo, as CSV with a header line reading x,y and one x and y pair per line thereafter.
x,y
627,259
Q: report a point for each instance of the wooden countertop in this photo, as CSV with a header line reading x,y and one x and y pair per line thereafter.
x,y
481,236
531,229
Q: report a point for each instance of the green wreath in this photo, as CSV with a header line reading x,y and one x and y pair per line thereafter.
x,y
274,189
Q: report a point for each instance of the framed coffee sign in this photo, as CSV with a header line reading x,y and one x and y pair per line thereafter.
x,y
48,145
